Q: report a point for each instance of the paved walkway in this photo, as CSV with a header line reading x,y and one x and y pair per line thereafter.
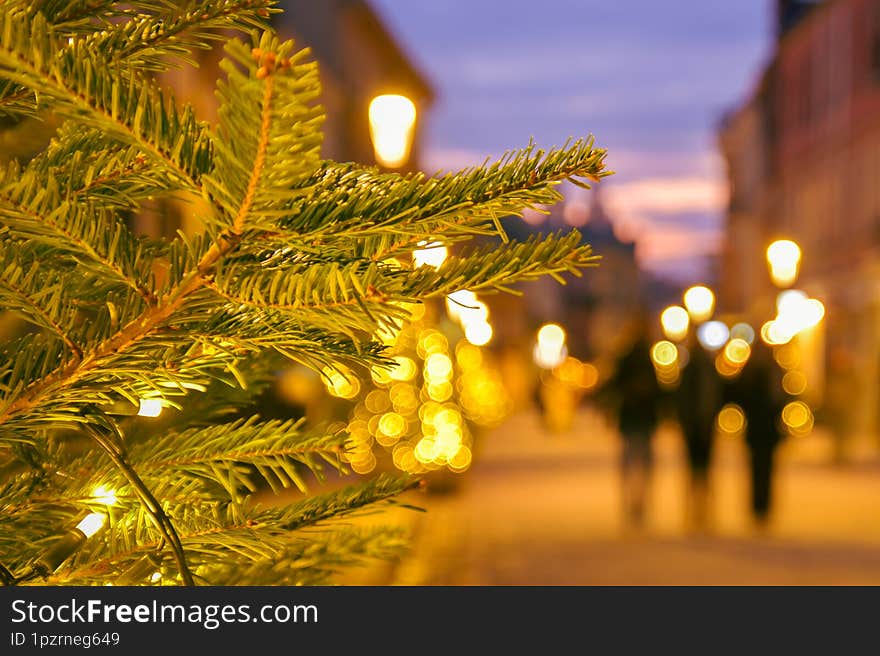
x,y
543,509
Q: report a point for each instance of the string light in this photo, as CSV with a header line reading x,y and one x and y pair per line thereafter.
x,y
66,546
104,495
150,407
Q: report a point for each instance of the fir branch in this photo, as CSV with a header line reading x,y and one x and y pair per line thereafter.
x,y
335,207
154,42
90,236
170,304
281,86
227,454
109,439
313,561
40,303
102,94
209,533
91,169
364,296
16,101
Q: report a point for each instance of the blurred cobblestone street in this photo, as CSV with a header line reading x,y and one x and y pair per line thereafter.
x,y
543,509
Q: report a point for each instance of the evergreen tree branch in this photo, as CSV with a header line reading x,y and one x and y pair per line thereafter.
x,y
36,305
74,230
332,205
228,454
110,442
157,313
150,42
83,86
208,533
16,100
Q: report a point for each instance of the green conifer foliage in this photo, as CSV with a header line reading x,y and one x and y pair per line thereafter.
x,y
300,258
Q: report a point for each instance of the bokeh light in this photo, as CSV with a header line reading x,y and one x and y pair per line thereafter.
x,y
744,332
797,418
712,335
731,420
431,254
783,257
699,301
675,321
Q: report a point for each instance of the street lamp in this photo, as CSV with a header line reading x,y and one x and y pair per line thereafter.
x,y
392,126
784,258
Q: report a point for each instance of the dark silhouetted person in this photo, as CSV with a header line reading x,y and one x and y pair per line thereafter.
x,y
698,399
638,397
758,391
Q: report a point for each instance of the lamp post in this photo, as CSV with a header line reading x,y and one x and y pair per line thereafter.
x,y
392,129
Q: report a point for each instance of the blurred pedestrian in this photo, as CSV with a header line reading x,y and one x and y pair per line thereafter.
x,y
698,399
638,396
758,391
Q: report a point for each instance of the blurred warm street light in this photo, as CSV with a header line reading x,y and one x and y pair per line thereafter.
x,y
783,257
392,126
700,303
550,350
675,321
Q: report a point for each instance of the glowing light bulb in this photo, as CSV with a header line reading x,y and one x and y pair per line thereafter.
x,y
744,332
460,301
150,407
104,495
91,523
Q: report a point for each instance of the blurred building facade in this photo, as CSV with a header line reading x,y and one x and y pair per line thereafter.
x,y
803,160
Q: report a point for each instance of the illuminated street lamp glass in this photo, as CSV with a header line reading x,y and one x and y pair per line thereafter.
x,y
675,321
700,303
550,350
392,125
784,257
